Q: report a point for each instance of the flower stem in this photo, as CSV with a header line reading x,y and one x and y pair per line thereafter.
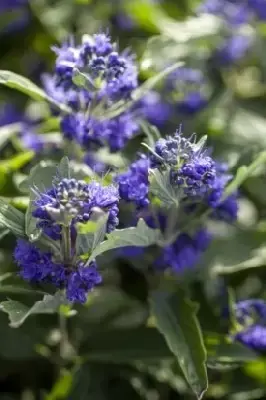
x,y
66,244
63,334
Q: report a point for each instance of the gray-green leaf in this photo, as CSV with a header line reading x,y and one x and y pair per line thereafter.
x,y
12,219
7,132
64,168
160,186
141,235
41,177
245,172
18,82
176,320
19,312
91,235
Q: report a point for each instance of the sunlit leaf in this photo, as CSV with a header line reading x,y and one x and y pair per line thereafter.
x,y
176,320
24,85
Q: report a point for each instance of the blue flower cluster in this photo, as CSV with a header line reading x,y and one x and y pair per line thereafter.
x,y
184,253
235,14
134,183
235,11
251,318
91,133
191,170
37,266
198,180
71,201
108,77
152,108
114,75
226,209
187,88
58,210
6,5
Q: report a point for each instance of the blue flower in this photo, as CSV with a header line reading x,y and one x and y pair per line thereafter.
x,y
82,281
233,49
258,6
9,4
184,253
72,97
71,201
9,115
38,267
227,209
154,109
251,317
111,74
21,20
92,134
134,183
31,140
233,12
186,88
192,170
253,337
110,77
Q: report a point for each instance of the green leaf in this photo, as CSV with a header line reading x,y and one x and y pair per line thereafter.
x,y
141,235
31,229
24,85
18,344
18,161
242,122
125,346
151,132
243,173
176,320
80,170
62,386
91,235
162,50
138,94
12,219
88,383
12,289
194,28
147,344
19,202
80,79
64,168
154,80
222,351
257,260
3,232
112,308
19,312
41,177
7,132
145,13
160,186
